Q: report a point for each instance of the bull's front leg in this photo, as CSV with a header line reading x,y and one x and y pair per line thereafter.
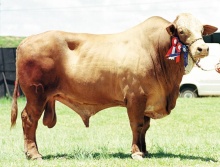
x,y
29,123
139,125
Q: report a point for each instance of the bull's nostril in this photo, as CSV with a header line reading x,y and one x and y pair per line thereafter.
x,y
199,49
207,49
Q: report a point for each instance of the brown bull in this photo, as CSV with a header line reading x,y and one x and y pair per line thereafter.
x,y
90,72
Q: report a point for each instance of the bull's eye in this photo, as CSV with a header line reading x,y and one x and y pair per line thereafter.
x,y
181,32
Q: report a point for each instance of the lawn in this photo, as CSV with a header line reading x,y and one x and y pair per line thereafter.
x,y
190,136
10,41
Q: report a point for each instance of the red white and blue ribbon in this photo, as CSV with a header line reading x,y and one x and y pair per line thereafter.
x,y
175,50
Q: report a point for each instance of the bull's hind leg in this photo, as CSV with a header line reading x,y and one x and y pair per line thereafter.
x,y
139,125
30,116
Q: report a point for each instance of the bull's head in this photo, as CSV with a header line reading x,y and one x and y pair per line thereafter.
x,y
190,32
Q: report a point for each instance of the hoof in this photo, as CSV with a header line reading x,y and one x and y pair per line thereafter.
x,y
137,156
35,157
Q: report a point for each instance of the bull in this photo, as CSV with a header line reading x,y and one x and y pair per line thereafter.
x,y
89,72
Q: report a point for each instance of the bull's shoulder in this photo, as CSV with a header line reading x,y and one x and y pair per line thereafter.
x,y
157,18
155,22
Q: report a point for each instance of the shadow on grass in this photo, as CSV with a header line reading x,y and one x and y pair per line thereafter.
x,y
121,155
88,156
180,156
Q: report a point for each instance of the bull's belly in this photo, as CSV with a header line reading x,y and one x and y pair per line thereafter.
x,y
85,107
89,93
91,86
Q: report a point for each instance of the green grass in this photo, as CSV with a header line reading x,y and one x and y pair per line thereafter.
x,y
10,41
190,136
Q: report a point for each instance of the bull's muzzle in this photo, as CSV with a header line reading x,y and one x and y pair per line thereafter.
x,y
198,48
203,50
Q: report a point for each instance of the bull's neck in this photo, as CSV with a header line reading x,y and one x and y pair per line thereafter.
x,y
171,70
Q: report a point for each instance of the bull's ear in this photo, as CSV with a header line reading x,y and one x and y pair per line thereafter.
x,y
171,29
208,29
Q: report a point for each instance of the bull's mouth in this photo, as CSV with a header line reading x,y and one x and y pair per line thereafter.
x,y
200,56
196,58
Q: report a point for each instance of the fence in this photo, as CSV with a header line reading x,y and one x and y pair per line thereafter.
x,y
7,71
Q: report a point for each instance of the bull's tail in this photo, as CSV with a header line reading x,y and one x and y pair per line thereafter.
x,y
14,108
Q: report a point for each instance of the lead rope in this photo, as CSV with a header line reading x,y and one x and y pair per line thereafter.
x,y
197,63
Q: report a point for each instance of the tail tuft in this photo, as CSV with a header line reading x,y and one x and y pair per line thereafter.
x,y
14,108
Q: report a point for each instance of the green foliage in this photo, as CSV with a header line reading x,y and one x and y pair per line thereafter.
x,y
189,136
9,41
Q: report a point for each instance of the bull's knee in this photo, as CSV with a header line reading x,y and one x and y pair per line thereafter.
x,y
28,118
25,118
